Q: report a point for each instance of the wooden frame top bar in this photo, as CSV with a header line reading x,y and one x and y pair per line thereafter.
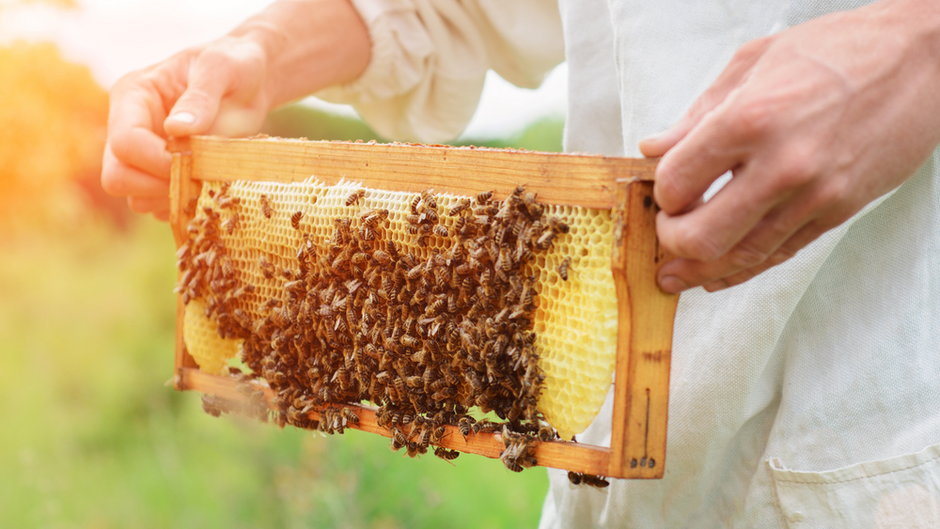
x,y
565,179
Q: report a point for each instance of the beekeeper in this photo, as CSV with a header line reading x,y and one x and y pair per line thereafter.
x,y
806,396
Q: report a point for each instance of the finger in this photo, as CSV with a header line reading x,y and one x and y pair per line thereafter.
x,y
805,235
155,205
707,152
709,231
757,246
732,76
131,133
194,112
120,179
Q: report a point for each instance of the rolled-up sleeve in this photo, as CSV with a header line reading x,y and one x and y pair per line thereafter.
x,y
430,58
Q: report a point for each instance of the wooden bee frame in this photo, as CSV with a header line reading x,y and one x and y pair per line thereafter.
x,y
624,185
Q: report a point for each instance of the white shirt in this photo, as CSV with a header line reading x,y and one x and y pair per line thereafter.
x,y
808,397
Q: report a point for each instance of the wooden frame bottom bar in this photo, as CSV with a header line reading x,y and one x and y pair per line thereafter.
x,y
585,458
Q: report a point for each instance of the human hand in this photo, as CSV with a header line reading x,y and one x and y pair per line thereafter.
x,y
217,89
814,123
226,87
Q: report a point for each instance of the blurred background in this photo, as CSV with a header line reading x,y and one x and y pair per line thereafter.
x,y
91,435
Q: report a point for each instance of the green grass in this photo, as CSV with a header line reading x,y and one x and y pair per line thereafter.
x,y
93,438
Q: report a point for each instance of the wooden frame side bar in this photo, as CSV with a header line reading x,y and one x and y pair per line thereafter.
x,y
644,338
557,178
585,458
184,191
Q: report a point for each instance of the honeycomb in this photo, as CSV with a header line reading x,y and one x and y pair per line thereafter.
x,y
201,336
575,320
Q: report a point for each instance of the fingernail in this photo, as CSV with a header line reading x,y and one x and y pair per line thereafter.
x,y
672,284
183,117
656,137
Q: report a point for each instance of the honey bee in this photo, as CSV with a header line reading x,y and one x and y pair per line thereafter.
x,y
465,425
461,206
359,259
545,239
227,202
563,268
398,439
266,206
415,271
547,433
558,225
371,218
441,231
295,219
355,196
460,225
594,481
418,356
414,204
349,415
392,249
230,224
211,406
436,308
485,427
484,197
437,435
339,263
381,257
445,454
428,197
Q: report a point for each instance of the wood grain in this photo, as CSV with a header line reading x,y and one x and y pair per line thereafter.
x,y
556,454
644,339
183,191
570,179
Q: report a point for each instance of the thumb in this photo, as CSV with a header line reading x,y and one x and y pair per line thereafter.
x,y
196,110
658,144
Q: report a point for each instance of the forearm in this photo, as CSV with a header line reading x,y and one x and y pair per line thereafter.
x,y
308,45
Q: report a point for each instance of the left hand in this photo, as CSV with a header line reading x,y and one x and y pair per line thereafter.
x,y
814,123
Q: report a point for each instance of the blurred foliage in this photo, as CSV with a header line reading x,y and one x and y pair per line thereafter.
x,y
92,436
298,120
52,127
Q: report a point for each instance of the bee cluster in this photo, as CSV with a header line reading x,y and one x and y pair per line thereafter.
x,y
363,318
207,271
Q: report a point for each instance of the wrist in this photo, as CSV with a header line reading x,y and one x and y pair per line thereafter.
x,y
269,43
308,45
920,21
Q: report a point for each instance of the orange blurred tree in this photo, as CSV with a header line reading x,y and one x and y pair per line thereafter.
x,y
53,120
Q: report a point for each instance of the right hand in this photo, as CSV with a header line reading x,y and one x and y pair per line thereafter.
x,y
219,88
